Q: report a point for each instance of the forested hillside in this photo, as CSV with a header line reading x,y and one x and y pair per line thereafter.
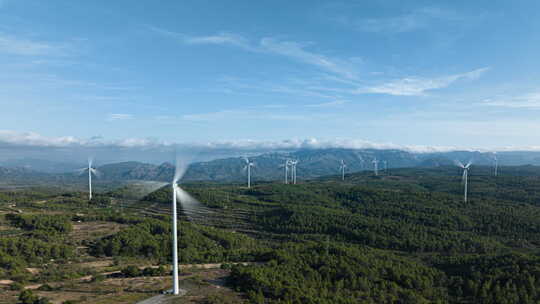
x,y
405,236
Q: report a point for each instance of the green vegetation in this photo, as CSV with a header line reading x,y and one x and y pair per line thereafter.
x,y
27,297
198,244
405,237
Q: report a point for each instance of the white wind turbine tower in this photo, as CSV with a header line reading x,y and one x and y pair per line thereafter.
x,y
375,166
293,171
248,167
496,163
286,168
91,171
465,178
385,166
190,207
342,168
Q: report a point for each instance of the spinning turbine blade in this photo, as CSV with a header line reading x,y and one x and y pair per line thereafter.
x,y
95,172
179,170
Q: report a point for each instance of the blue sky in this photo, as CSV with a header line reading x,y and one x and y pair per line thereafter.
x,y
404,73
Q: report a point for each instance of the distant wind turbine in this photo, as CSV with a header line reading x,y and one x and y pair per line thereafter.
x,y
90,171
385,166
286,166
293,171
496,163
342,168
465,178
375,166
248,167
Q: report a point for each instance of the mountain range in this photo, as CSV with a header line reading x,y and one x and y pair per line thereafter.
x,y
268,166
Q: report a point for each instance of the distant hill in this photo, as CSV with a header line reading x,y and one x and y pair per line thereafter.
x,y
269,166
21,175
312,163
41,165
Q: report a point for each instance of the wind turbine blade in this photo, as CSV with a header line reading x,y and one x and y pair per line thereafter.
x,y
179,170
81,171
459,164
469,164
96,172
184,197
190,206
138,189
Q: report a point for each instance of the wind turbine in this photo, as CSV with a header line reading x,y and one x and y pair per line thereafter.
x,y
496,163
375,166
175,187
248,167
465,178
286,166
385,166
342,168
293,171
190,206
90,171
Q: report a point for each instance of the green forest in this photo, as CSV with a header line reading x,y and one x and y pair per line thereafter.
x,y
405,236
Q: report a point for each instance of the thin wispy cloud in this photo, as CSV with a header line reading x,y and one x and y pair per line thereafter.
x,y
120,116
18,46
213,116
527,101
413,86
221,38
420,18
290,49
234,84
330,104
297,51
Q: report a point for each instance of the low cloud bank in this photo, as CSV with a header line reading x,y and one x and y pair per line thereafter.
x,y
73,149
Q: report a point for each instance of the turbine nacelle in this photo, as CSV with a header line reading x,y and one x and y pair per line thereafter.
x,y
462,166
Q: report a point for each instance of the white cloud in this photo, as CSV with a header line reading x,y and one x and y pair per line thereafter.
x,y
334,103
120,116
297,51
18,46
212,116
527,101
10,138
290,49
221,38
35,139
413,86
417,19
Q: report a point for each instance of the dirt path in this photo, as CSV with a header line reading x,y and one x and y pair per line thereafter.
x,y
162,299
109,273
